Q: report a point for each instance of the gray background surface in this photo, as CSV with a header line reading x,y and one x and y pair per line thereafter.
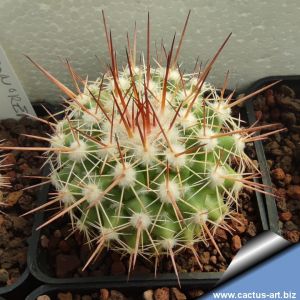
x,y
265,38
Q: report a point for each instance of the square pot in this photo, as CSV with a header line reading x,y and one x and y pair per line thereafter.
x,y
39,266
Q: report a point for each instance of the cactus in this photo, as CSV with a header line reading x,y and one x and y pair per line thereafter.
x,y
148,161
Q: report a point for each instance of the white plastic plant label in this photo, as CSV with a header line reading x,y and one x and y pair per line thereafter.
x,y
13,99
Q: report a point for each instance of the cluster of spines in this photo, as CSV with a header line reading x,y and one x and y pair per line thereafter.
x,y
148,161
145,177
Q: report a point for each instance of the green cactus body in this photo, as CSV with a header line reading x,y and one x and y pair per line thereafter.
x,y
148,171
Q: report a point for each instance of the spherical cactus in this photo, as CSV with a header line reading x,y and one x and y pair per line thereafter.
x,y
148,160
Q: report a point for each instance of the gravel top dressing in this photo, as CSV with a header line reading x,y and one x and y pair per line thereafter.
x,y
282,105
14,229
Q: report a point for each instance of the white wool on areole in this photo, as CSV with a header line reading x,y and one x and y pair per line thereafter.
x,y
92,88
126,173
92,116
217,176
107,151
146,156
168,244
239,143
57,140
66,196
92,193
176,157
83,99
54,180
109,234
200,217
164,115
221,109
140,220
205,136
173,134
78,150
60,126
174,75
124,83
187,120
238,184
169,191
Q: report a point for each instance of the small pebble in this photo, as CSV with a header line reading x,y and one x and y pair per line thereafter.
x,y
162,294
148,295
177,295
44,241
64,296
213,259
293,236
251,230
116,295
4,276
285,216
236,243
43,297
57,233
204,257
64,246
289,225
288,179
278,174
104,294
294,192
195,293
13,198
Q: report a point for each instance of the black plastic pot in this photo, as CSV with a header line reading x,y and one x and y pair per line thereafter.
x,y
26,282
292,81
39,267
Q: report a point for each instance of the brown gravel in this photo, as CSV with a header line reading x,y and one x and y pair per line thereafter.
x,y
278,174
236,243
162,293
283,154
14,230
